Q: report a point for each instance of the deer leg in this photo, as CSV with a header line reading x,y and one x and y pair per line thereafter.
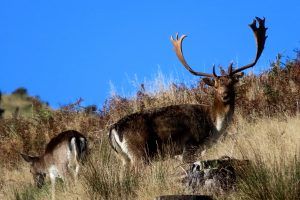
x,y
76,172
52,179
63,174
189,152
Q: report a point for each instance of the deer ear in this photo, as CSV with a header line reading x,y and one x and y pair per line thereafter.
x,y
237,76
28,158
209,81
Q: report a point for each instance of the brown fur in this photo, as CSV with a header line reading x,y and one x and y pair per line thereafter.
x,y
186,127
60,138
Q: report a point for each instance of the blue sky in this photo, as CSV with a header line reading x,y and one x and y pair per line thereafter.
x,y
63,50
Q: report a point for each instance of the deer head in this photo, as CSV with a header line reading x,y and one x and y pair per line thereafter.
x,y
224,84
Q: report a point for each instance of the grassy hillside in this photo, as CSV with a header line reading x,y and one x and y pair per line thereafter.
x,y
19,103
265,130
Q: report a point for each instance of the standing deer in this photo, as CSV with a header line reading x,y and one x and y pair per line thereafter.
x,y
62,155
142,136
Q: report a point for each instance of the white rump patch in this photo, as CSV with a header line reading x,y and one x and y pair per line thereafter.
x,y
123,145
74,149
219,122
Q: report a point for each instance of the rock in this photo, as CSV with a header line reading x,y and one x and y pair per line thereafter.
x,y
218,175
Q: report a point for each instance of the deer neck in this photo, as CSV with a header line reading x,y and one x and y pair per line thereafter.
x,y
42,164
222,113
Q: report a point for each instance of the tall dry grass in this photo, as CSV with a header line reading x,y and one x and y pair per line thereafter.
x,y
265,130
103,179
272,145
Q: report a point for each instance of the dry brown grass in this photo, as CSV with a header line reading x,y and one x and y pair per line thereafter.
x,y
269,142
265,130
265,135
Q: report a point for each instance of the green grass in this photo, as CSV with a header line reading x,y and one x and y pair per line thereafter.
x,y
30,192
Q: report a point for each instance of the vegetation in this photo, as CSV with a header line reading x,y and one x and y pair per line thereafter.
x,y
19,103
1,109
265,130
278,179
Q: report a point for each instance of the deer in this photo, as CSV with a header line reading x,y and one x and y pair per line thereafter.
x,y
141,136
61,157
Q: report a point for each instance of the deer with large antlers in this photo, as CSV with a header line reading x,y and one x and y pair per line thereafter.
x,y
143,135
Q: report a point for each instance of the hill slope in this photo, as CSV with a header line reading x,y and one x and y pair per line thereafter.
x,y
19,103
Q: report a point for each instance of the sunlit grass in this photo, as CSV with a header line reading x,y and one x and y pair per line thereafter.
x,y
265,130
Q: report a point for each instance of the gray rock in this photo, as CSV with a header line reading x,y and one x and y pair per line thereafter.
x,y
218,175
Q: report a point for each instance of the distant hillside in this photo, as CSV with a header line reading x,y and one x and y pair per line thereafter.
x,y
18,103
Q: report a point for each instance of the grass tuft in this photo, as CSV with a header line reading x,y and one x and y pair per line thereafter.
x,y
275,180
103,177
29,192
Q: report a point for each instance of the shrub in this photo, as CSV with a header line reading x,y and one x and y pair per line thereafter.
x,y
21,91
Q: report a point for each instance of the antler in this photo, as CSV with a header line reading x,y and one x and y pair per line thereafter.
x,y
177,43
260,37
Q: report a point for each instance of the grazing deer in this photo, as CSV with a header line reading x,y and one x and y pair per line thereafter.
x,y
61,156
141,136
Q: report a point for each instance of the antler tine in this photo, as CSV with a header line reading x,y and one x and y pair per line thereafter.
x,y
230,68
260,36
177,43
214,71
